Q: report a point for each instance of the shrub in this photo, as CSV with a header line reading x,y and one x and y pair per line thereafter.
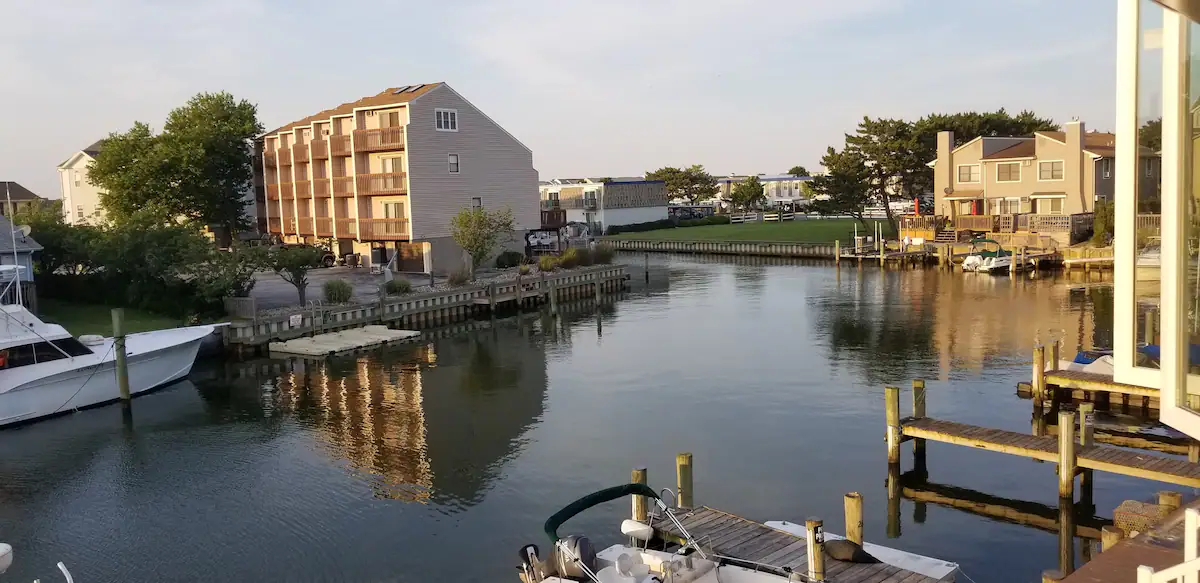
x,y
523,269
602,255
458,278
397,287
509,259
640,227
547,263
569,258
586,258
338,291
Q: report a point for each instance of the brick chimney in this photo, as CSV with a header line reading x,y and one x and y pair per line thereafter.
x,y
1073,170
943,173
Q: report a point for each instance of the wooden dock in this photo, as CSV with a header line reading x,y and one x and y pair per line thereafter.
x,y
733,536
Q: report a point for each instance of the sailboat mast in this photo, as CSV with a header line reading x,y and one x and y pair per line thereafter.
x,y
13,234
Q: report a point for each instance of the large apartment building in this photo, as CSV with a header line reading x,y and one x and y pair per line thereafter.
x,y
386,173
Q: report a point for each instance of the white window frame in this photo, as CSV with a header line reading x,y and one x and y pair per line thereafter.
x,y
1106,167
79,212
453,163
1062,176
1017,164
445,120
958,174
474,199
78,178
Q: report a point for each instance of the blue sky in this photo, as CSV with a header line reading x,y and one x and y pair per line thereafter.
x,y
598,88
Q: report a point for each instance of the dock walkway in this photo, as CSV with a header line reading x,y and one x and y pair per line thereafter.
x,y
733,536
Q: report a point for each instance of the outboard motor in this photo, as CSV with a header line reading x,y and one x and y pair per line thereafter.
x,y
573,551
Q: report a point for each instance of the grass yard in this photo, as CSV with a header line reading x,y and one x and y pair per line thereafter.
x,y
807,231
80,319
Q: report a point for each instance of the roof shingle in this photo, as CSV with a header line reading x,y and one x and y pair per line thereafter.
x,y
16,191
389,96
25,244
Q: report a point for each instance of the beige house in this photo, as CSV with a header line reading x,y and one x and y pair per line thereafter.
x,y
81,200
386,173
15,198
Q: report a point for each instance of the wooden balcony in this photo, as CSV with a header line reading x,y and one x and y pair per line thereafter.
x,y
339,145
272,192
285,191
323,226
974,223
274,224
390,183
343,186
289,225
383,229
345,227
379,140
285,156
320,149
269,159
301,153
320,187
302,188
305,226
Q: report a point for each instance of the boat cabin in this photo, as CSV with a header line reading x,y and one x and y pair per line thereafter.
x,y
26,340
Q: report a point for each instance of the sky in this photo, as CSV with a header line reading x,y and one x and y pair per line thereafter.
x,y
595,88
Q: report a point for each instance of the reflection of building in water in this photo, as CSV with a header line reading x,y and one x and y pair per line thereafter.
x,y
431,423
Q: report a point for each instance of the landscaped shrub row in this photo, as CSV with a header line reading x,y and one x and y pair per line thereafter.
x,y
668,224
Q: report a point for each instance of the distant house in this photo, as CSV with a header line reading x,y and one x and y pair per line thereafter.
x,y
779,189
22,198
606,202
21,254
81,200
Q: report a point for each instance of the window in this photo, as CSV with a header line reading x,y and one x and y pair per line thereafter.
x,y
393,210
1051,170
477,202
968,173
452,160
1106,168
1008,172
1050,206
40,352
79,212
78,179
446,120
389,119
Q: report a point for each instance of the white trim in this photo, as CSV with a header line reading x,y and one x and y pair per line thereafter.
x,y
998,165
457,162
477,110
1005,160
1039,170
74,158
1049,195
957,174
453,117
958,198
399,104
1052,139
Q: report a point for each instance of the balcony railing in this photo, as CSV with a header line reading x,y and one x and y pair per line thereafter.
x,y
273,224
324,226
320,187
285,191
550,204
974,222
303,188
389,183
1149,223
285,156
272,192
345,227
339,145
320,149
305,225
269,159
301,153
383,229
289,225
343,186
380,139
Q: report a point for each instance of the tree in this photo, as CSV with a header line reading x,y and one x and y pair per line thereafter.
x,y
748,194
798,171
64,247
293,265
845,187
479,231
1150,134
692,184
198,169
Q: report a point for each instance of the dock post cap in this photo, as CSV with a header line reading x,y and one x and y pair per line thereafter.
x,y
1052,576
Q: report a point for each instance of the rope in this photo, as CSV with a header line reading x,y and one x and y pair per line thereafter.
x,y
964,574
85,381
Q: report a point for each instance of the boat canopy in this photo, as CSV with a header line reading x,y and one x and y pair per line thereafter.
x,y
594,499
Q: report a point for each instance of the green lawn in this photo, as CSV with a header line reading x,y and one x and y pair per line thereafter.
x,y
807,231
81,319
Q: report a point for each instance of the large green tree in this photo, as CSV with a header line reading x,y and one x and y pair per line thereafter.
x,y
1150,135
798,171
198,169
845,188
748,194
480,232
692,184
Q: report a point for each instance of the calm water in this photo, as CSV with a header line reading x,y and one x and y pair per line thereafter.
x,y
438,461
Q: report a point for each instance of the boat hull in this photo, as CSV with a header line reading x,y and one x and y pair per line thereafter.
x,y
153,362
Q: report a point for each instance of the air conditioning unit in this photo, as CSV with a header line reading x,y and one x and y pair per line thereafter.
x,y
371,113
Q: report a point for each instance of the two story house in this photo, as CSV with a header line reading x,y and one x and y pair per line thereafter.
x,y
385,174
15,198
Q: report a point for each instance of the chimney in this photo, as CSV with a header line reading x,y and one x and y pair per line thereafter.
x,y
943,173
1073,170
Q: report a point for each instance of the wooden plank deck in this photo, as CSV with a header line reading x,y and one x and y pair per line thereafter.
x,y
1094,457
726,534
1089,381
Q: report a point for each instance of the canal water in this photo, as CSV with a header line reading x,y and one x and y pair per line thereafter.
x,y
436,462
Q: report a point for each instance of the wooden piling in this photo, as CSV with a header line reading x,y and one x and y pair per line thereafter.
x,y
854,518
918,412
1172,500
640,503
1052,358
1038,382
122,366
647,268
683,480
892,406
816,549
893,502
1066,454
837,252
1110,535
1087,423
1151,322
1066,535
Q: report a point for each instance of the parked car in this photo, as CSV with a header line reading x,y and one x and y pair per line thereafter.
x,y
328,259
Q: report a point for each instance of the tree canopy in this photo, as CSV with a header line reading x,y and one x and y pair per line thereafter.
x,y
845,188
197,169
692,184
748,194
798,171
480,231
1150,134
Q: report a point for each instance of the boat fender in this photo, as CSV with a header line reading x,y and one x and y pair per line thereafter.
x,y
6,557
91,340
844,550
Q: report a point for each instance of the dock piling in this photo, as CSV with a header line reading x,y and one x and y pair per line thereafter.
x,y
683,478
1038,382
638,476
854,519
892,404
918,412
1171,500
1066,454
647,267
1110,535
1052,576
837,252
122,366
816,549
894,492
1052,359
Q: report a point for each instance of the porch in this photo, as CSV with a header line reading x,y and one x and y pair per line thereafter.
x,y
1024,229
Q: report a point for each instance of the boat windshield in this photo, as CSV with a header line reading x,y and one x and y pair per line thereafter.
x,y
38,352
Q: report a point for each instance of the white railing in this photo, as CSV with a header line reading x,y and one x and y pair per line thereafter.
x,y
743,218
1189,570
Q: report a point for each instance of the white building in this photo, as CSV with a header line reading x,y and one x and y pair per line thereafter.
x,y
81,200
606,202
779,189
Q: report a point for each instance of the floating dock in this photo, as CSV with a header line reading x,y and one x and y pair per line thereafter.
x,y
333,343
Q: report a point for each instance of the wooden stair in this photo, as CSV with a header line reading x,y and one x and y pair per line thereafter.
x,y
946,236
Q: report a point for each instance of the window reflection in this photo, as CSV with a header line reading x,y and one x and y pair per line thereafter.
x,y
1147,287
1189,310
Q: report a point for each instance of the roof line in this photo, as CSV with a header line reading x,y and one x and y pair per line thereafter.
x,y
468,102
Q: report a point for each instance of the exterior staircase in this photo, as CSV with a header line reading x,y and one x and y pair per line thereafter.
x,y
946,236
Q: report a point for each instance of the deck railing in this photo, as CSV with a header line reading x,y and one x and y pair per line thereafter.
x,y
273,224
273,192
286,191
285,156
320,149
302,188
379,139
301,153
320,187
289,225
383,229
384,183
1050,224
1189,569
975,223
269,158
1149,223
304,226
345,227
323,226
339,145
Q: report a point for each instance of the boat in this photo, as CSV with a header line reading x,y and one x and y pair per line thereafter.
x,y
977,260
647,559
46,371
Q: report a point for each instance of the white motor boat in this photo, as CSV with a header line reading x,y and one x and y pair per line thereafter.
x,y
46,371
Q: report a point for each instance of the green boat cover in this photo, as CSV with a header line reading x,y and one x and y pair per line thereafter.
x,y
593,499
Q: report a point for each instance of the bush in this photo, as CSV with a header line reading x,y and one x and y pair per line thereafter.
x,y
569,258
338,291
397,287
640,227
459,278
585,258
602,255
547,263
523,269
509,259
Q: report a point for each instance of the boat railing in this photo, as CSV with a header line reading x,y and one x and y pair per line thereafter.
x,y
9,319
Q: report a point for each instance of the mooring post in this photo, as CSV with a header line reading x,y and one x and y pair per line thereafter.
x,y
893,501
1194,451
854,518
918,412
647,270
1066,454
1052,358
892,406
1110,535
1087,425
816,549
1038,382
683,480
122,366
1169,499
638,476
837,252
